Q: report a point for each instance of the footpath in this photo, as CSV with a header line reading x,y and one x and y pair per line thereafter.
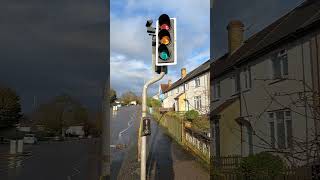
x,y
167,160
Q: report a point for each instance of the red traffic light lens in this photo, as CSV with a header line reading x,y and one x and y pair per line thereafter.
x,y
165,26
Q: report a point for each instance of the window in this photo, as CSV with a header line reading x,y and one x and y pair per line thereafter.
x,y
247,77
177,90
197,102
197,82
186,86
171,93
280,129
236,83
217,93
181,88
280,65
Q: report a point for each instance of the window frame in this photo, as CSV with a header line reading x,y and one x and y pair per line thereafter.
x,y
217,91
197,82
279,59
287,121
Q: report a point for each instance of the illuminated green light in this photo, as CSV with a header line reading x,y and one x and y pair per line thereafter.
x,y
164,55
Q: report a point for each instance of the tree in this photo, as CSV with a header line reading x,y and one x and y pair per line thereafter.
x,y
61,112
129,96
10,108
112,95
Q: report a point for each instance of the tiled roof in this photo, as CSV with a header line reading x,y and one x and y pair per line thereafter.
x,y
205,67
164,87
295,23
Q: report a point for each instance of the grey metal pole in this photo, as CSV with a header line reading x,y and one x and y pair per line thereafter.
x,y
105,136
143,159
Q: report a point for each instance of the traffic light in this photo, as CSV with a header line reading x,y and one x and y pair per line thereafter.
x,y
166,46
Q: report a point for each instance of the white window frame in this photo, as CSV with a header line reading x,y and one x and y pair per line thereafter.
x,y
247,77
282,56
186,86
235,83
197,82
197,102
217,91
286,118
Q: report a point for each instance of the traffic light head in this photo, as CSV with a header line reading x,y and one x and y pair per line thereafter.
x,y
166,50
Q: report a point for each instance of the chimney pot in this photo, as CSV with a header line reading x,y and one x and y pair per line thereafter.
x,y
169,82
183,73
235,35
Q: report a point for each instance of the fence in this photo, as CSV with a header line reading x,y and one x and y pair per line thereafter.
x,y
287,175
193,140
199,142
229,164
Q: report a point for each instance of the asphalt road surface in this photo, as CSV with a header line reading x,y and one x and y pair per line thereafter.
x,y
66,160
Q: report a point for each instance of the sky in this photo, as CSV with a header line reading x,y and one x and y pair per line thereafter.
x,y
130,59
53,47
254,14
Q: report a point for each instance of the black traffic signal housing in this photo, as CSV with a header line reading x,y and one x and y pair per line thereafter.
x,y
166,46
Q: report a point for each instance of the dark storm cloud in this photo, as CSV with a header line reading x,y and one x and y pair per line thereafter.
x,y
51,47
254,14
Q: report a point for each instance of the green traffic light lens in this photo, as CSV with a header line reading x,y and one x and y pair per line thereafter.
x,y
164,55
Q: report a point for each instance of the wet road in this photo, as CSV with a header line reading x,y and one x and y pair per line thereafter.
x,y
124,126
66,160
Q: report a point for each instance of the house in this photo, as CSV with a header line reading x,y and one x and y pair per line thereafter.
x,y
133,103
191,91
75,130
272,78
160,94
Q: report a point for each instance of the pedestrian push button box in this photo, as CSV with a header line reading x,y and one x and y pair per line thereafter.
x,y
146,129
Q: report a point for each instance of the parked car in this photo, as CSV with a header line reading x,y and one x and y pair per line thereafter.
x,y
30,139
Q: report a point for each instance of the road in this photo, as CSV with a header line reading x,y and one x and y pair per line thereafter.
x,y
66,160
79,159
166,160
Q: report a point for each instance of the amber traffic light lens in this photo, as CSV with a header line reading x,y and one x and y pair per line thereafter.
x,y
165,40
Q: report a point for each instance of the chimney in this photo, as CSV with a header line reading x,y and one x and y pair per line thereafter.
x,y
169,82
183,73
235,35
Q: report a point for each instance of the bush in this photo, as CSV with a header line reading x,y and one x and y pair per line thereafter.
x,y
262,164
191,115
153,103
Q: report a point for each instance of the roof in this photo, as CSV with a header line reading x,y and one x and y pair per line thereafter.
x,y
295,23
205,67
224,105
177,97
164,87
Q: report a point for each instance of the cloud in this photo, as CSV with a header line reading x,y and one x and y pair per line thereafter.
x,y
55,47
129,37
128,74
